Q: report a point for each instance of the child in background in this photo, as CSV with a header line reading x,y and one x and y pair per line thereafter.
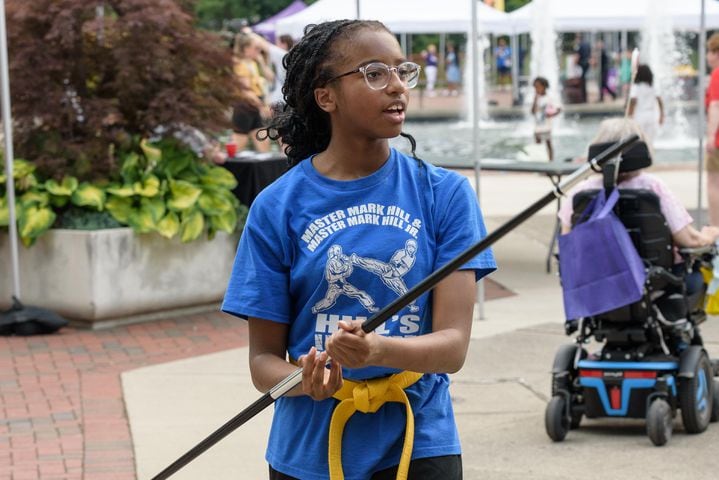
x,y
351,226
430,68
645,106
544,108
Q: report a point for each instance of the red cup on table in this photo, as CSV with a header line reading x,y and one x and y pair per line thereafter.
x,y
231,148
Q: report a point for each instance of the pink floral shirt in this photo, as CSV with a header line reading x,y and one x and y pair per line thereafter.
x,y
676,215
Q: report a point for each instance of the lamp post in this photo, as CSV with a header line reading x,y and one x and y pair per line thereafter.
x,y
9,155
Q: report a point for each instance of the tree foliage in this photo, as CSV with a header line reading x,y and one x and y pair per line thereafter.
x,y
86,86
211,13
511,5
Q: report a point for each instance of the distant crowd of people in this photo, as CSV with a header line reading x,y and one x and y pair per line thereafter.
x,y
613,70
257,63
452,70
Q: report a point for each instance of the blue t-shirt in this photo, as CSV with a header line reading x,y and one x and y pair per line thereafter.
x,y
315,251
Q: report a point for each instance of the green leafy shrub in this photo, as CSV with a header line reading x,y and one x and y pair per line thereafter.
x,y
88,81
161,188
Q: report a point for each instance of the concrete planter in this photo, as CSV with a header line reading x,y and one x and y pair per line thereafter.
x,y
116,275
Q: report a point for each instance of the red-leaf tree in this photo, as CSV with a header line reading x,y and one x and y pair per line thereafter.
x,y
89,78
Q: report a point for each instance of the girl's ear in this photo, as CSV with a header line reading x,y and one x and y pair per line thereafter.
x,y
325,98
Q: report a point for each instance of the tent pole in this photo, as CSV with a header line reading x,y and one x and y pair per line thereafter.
x,y
700,105
441,52
473,43
514,45
9,156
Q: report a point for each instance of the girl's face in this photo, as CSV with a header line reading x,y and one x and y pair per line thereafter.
x,y
355,109
539,88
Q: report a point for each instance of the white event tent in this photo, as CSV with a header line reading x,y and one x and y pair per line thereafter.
x,y
402,16
615,15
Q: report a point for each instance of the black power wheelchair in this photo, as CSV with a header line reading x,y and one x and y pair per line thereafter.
x,y
652,362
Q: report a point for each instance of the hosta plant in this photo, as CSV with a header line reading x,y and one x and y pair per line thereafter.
x,y
161,188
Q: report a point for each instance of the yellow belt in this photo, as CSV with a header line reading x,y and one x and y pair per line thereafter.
x,y
367,397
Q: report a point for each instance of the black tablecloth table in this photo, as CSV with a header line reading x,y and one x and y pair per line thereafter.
x,y
553,170
254,172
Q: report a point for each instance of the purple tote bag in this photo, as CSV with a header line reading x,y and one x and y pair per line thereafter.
x,y
600,268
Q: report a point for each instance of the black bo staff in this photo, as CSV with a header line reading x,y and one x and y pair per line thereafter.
x,y
424,286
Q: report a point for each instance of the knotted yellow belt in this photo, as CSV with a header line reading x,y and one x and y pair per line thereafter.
x,y
367,397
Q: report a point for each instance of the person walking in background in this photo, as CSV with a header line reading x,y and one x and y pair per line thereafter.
x,y
276,52
299,276
605,65
711,103
250,111
544,108
645,106
430,68
583,52
453,72
503,58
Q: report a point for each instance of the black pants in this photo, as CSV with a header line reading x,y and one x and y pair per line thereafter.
x,y
604,85
585,69
433,468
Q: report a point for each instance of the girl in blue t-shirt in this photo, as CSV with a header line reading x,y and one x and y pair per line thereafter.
x,y
347,230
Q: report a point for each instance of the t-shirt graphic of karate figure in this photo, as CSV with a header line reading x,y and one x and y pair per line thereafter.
x,y
337,272
391,273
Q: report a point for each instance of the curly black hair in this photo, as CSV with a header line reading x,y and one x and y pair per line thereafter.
x,y
542,81
302,126
644,75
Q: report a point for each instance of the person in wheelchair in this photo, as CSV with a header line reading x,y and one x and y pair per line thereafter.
x,y
652,361
632,175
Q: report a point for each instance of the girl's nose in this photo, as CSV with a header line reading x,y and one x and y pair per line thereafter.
x,y
395,83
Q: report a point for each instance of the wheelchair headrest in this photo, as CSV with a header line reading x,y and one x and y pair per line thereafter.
x,y
635,158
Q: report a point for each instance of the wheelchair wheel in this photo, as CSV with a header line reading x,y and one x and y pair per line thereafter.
x,y
659,422
696,397
715,404
576,420
555,418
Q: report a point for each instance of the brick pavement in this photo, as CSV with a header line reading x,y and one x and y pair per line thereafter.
x,y
62,413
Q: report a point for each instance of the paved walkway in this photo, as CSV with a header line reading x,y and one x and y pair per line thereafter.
x,y
62,408
123,403
62,412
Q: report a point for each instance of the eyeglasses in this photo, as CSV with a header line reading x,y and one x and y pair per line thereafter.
x,y
377,74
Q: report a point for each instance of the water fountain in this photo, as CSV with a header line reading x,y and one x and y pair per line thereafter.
x,y
664,50
450,142
544,48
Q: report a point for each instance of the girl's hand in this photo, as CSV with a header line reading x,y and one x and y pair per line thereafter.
x,y
317,381
352,347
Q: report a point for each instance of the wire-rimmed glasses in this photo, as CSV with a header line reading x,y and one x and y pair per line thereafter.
x,y
377,74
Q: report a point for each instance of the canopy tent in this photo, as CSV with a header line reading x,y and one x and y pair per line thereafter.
x,y
401,16
615,15
266,27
